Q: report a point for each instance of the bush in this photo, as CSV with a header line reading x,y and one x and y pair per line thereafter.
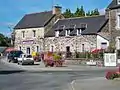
x,y
112,75
57,57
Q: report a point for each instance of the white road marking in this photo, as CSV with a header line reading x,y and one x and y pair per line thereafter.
x,y
72,84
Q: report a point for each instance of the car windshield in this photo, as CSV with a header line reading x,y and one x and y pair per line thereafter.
x,y
16,53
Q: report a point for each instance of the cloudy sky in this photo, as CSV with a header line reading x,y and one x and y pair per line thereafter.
x,y
11,11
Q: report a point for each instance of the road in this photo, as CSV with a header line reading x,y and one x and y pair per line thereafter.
x,y
12,78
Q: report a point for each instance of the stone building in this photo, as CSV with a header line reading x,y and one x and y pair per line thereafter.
x,y
49,31
113,14
31,29
77,34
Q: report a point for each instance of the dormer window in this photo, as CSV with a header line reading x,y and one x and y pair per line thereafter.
x,y
61,27
67,32
83,25
79,31
118,1
57,33
72,26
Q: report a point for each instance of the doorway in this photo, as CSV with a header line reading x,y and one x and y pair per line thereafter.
x,y
68,49
28,50
68,53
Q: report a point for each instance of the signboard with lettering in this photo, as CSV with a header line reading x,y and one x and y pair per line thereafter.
x,y
28,42
110,59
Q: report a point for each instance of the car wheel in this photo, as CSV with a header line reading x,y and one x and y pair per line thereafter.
x,y
32,63
9,60
19,63
12,61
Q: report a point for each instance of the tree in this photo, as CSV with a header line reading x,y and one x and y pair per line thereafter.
x,y
96,12
82,12
79,12
67,13
4,41
88,13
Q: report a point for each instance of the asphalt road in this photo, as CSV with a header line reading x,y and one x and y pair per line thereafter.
x,y
12,78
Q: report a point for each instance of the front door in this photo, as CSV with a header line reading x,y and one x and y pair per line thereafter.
x,y
68,49
28,50
68,53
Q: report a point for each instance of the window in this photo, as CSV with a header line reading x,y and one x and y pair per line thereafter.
x,y
51,48
79,32
57,33
118,1
68,49
37,48
20,48
104,45
83,47
83,25
118,24
67,32
23,34
34,33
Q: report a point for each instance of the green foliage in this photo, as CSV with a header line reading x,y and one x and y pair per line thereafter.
x,y
67,13
88,13
80,12
111,48
4,41
57,57
83,55
89,55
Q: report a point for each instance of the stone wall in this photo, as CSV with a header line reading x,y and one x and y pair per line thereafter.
x,y
113,28
74,42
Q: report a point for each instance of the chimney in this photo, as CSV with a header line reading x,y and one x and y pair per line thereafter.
x,y
57,10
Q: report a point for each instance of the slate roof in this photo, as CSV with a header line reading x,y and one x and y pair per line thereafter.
x,y
113,5
34,20
94,25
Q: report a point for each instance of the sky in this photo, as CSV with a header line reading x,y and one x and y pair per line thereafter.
x,y
11,11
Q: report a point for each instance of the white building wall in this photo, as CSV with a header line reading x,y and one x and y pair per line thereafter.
x,y
101,40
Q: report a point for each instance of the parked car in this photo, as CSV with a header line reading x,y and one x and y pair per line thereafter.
x,y
13,55
25,59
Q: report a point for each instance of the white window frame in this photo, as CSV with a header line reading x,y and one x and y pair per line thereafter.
x,y
57,33
37,48
118,21
104,44
67,32
83,47
23,34
34,33
79,30
118,1
84,24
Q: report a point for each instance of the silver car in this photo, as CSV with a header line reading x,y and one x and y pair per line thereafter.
x,y
25,59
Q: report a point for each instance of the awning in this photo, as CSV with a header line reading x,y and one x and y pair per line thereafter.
x,y
10,49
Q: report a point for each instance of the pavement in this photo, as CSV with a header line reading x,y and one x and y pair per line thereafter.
x,y
17,77
95,84
39,66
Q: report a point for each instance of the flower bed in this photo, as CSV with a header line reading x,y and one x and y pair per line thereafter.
x,y
112,75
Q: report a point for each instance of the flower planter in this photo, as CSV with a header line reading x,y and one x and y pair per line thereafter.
x,y
58,63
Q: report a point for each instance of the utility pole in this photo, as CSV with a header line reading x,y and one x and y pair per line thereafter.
x,y
12,35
